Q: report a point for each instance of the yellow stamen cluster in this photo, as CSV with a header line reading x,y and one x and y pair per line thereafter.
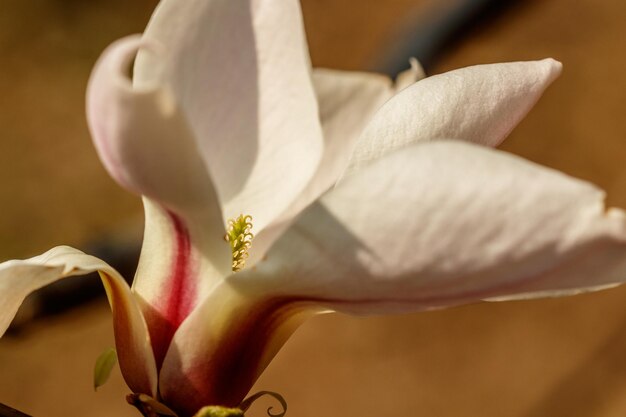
x,y
239,235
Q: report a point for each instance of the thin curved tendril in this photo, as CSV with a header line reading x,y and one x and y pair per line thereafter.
x,y
245,404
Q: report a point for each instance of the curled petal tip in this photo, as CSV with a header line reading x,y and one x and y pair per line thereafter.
x,y
554,68
116,62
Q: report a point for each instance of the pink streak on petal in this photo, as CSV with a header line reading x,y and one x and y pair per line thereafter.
x,y
182,288
180,294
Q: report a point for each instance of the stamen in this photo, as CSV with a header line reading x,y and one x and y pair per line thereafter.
x,y
240,237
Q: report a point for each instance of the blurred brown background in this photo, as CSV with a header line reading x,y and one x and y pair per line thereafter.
x,y
524,359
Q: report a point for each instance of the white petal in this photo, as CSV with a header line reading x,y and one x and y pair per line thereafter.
x,y
147,147
18,278
480,104
142,138
445,223
347,101
240,70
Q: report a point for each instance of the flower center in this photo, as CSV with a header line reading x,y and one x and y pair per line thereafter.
x,y
239,235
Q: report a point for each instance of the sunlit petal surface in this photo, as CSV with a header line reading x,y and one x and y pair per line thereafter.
x,y
446,223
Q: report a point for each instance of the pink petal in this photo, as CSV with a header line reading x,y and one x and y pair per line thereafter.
x,y
21,277
220,350
146,145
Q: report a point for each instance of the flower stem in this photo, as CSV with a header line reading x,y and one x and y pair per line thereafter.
x,y
148,406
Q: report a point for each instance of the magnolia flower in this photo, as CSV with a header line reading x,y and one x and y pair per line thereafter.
x,y
355,201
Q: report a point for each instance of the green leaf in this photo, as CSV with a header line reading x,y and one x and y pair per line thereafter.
x,y
104,365
217,411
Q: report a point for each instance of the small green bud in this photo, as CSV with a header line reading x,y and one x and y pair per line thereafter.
x,y
104,365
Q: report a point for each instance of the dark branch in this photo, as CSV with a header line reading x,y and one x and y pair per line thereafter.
x,y
6,411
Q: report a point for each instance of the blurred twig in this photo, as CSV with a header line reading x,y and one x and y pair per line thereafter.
x,y
437,31
6,411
